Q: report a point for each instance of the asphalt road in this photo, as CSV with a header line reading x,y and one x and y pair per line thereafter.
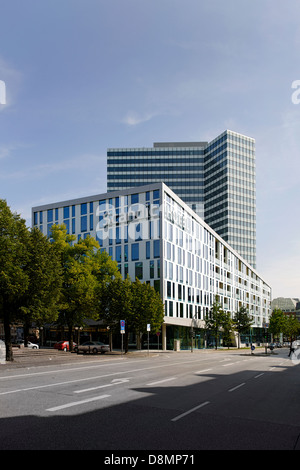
x,y
176,402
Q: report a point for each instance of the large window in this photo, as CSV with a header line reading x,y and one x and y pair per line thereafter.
x,y
156,247
84,223
139,270
50,215
134,252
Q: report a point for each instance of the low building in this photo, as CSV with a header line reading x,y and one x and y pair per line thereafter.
x,y
155,237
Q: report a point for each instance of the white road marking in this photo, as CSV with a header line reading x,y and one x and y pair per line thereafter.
x,y
76,403
259,375
114,382
202,371
190,411
234,388
162,381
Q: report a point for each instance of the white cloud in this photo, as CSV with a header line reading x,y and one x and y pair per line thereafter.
x,y
133,119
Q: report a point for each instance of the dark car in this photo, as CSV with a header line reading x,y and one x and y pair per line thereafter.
x,y
92,347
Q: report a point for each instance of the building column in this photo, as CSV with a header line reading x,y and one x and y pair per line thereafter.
x,y
164,337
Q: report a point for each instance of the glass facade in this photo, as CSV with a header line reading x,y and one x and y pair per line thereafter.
x,y
155,237
216,179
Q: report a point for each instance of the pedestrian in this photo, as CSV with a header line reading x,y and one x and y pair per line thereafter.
x,y
292,348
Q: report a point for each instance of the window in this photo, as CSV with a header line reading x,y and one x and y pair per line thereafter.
x,y
134,251
118,254
84,208
169,291
134,198
50,215
148,250
84,223
35,218
67,224
156,246
139,270
151,269
66,212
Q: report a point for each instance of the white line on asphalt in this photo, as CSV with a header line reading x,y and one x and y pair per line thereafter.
x,y
162,381
190,411
202,371
115,382
130,371
76,403
259,375
234,388
230,364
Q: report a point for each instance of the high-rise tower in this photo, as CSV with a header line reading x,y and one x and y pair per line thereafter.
x,y
216,179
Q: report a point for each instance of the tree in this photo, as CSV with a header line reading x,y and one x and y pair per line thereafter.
x,y
147,308
77,300
13,279
291,327
215,321
43,269
242,322
227,330
277,323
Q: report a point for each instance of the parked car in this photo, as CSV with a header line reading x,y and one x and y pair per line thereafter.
x,y
32,345
63,345
92,347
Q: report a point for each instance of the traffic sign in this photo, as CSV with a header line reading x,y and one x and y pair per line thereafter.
x,y
148,327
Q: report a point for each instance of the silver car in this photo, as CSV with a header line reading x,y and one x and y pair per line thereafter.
x,y
92,347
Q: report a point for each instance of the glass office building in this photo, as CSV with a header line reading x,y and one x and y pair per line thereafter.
x,y
156,237
216,179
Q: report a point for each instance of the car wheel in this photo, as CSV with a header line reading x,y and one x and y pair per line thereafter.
x,y
65,349
95,350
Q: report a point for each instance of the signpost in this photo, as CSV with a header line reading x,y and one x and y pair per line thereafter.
x,y
122,331
266,325
148,329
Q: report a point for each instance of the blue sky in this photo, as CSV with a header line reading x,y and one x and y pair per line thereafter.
x,y
85,75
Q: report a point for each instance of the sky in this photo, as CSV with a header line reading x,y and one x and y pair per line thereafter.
x,y
82,76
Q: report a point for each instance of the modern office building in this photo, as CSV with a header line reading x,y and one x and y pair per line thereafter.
x,y
156,237
216,179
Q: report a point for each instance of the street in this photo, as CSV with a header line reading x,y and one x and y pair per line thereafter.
x,y
205,400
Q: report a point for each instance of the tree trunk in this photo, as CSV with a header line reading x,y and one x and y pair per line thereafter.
x,y
8,346
70,337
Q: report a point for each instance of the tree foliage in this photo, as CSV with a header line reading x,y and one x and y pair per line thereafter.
x,y
242,321
215,321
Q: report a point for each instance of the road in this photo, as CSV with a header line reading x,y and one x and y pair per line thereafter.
x,y
180,401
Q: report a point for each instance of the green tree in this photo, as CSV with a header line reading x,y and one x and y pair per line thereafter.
x,y
79,282
147,308
215,321
13,279
291,327
41,298
277,323
242,322
227,330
